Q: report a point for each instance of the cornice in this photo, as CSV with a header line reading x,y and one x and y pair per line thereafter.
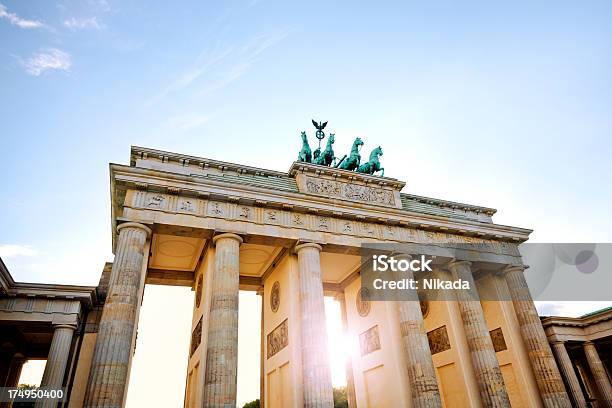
x,y
576,321
85,294
159,181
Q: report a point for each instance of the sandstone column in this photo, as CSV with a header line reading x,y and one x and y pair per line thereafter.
x,y
421,371
112,357
490,381
350,379
567,369
544,366
599,372
262,375
57,360
14,370
222,347
315,360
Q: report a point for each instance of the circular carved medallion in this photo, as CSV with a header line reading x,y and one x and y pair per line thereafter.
x,y
198,294
363,302
275,297
424,308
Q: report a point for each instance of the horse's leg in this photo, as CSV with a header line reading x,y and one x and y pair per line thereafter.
x,y
383,172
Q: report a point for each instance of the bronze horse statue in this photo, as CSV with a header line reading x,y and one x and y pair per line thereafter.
x,y
327,156
305,154
352,162
372,165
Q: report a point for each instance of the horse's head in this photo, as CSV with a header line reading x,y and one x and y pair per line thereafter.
x,y
376,152
304,138
358,142
331,139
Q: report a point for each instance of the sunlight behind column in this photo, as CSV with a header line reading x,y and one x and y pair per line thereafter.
x,y
159,366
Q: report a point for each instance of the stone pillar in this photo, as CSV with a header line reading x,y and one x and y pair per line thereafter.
x,y
57,360
262,371
545,368
421,372
599,372
350,379
568,372
488,374
220,377
110,366
14,370
316,372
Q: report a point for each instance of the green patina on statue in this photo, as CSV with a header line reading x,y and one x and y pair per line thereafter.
x,y
305,154
327,158
373,165
352,162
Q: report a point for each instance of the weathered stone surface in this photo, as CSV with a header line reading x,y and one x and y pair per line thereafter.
x,y
599,373
544,366
488,374
113,352
316,374
220,378
567,369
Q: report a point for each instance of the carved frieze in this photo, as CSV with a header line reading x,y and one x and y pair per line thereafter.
x,y
369,341
499,343
336,224
347,191
278,339
196,338
438,340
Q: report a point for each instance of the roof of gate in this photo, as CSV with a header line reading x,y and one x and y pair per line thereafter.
x,y
275,180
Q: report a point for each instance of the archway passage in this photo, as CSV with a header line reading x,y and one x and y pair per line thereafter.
x,y
162,344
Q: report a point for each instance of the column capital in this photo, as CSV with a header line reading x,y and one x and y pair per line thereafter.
x,y
64,326
229,235
561,342
513,268
588,343
457,262
299,247
135,225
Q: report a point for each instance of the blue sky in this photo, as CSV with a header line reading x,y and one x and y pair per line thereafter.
x,y
504,105
507,105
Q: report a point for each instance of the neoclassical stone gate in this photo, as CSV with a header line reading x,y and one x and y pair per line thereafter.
x,y
294,238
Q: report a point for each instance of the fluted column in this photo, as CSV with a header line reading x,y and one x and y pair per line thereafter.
x,y
14,370
568,372
488,374
57,360
315,360
421,372
220,378
545,368
599,372
112,357
350,379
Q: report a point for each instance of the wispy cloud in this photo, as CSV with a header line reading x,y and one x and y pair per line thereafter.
x,y
13,250
15,20
185,122
49,59
219,67
83,23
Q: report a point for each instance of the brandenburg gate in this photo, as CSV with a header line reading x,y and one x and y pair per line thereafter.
x,y
296,237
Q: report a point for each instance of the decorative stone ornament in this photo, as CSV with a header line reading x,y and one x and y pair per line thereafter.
x,y
275,297
363,302
198,294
